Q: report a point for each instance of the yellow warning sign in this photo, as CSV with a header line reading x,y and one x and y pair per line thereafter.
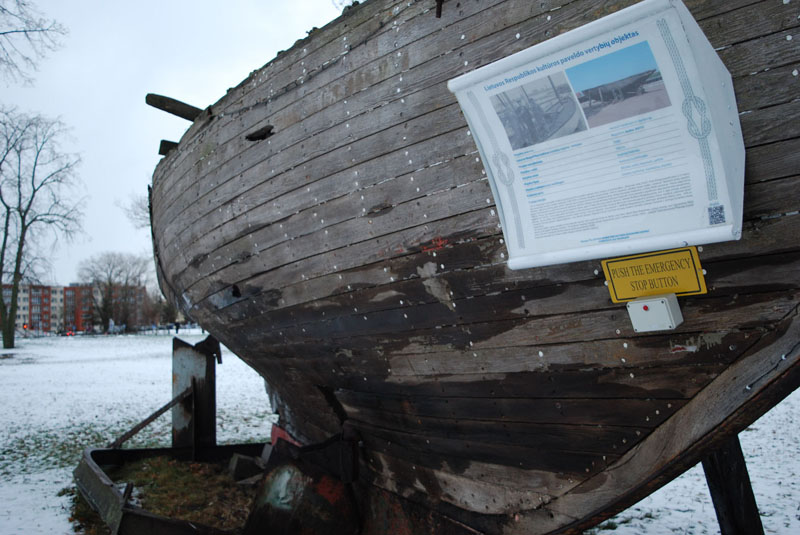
x,y
676,271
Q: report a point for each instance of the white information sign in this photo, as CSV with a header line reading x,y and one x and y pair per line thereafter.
x,y
619,137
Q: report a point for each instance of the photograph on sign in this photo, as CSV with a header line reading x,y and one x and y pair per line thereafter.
x,y
619,85
602,141
537,111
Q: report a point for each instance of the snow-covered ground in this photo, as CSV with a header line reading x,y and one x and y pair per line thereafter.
x,y
59,395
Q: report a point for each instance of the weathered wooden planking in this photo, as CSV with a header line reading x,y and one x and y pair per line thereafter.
x,y
260,227
212,181
472,283
774,112
770,235
470,493
431,450
597,438
632,412
775,160
425,331
467,226
333,224
767,374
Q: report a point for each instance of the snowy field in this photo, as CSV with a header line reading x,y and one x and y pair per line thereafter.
x,y
59,395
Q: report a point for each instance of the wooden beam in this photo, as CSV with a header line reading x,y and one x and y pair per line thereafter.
x,y
166,146
175,107
731,492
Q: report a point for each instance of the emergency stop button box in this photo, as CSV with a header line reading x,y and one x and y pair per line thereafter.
x,y
655,313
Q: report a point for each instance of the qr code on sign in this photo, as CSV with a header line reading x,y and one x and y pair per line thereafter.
x,y
716,214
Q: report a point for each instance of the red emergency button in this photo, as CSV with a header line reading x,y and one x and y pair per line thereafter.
x,y
645,308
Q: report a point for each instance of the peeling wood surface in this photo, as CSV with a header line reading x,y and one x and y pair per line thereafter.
x,y
354,258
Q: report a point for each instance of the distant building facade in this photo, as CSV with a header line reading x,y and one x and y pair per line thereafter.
x,y
39,308
54,309
78,307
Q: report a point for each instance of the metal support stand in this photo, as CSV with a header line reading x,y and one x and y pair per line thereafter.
x,y
731,492
194,420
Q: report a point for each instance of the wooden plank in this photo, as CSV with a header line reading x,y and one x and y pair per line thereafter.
x,y
173,106
597,438
774,160
366,67
749,22
668,382
474,295
468,226
630,412
430,450
703,9
767,52
316,52
767,88
767,199
765,234
776,123
731,492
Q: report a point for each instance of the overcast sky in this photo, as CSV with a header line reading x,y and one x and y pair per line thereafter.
x,y
116,53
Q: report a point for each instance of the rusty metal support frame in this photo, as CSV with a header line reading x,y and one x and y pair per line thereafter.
x,y
105,497
150,419
194,420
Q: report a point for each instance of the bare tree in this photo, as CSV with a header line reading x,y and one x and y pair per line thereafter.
x,y
119,280
36,180
137,209
25,37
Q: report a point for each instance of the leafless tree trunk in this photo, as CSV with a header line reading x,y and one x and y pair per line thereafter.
x,y
25,37
36,180
118,278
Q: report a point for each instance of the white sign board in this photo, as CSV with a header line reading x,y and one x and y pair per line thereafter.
x,y
619,137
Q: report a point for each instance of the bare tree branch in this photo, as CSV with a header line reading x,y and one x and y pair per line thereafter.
x,y
137,210
25,38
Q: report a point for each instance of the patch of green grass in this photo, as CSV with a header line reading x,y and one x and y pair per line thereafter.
x,y
198,492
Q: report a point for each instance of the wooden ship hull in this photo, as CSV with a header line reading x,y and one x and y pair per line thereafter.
x,y
329,220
